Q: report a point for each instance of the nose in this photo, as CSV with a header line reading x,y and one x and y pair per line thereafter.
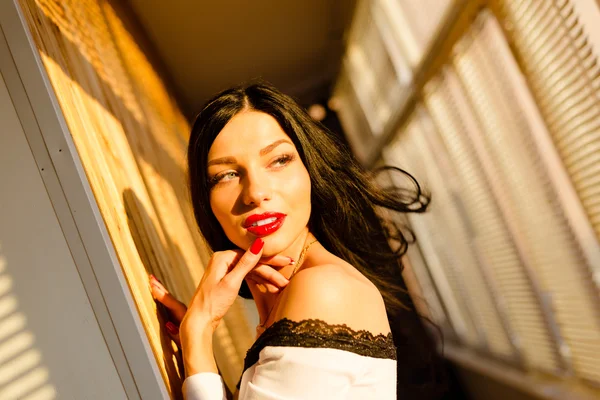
x,y
256,189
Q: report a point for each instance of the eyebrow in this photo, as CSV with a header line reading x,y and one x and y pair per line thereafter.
x,y
222,160
270,147
264,151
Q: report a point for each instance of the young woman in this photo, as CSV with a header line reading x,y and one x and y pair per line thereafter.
x,y
335,318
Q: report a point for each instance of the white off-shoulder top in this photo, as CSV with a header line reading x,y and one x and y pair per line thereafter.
x,y
309,359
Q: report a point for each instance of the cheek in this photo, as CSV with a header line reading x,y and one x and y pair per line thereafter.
x,y
306,192
300,195
221,209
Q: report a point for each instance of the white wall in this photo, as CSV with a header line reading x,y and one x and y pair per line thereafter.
x,y
51,345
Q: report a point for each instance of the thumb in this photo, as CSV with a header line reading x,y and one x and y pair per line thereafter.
x,y
248,261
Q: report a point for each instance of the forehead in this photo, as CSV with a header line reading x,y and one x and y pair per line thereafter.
x,y
246,131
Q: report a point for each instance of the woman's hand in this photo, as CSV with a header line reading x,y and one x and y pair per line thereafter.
x,y
213,298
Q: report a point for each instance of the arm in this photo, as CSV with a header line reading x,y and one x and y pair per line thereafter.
x,y
214,295
207,385
203,380
213,298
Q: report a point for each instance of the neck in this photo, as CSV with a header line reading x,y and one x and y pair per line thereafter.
x,y
264,300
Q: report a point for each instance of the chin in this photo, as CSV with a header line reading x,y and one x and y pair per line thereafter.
x,y
274,243
275,246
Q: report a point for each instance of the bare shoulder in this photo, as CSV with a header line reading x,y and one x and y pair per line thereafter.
x,y
336,294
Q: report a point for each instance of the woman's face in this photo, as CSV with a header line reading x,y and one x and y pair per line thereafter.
x,y
259,185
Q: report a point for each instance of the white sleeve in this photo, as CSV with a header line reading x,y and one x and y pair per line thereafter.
x,y
315,374
204,386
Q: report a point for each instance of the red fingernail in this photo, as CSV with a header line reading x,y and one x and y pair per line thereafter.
x,y
173,330
257,246
292,261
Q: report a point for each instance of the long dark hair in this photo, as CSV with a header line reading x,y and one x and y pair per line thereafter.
x,y
346,218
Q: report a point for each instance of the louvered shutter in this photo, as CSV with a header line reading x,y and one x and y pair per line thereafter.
x,y
377,79
414,24
452,223
410,152
499,254
506,134
555,262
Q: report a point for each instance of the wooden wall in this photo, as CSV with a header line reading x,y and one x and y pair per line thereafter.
x,y
131,137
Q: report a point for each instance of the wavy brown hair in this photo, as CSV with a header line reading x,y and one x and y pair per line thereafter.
x,y
346,215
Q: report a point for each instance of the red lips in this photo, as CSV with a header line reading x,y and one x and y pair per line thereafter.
x,y
264,224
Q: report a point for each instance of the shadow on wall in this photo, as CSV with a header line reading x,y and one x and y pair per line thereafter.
x,y
140,226
23,374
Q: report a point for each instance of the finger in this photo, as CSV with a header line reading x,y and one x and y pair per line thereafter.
x,y
274,261
277,260
173,332
262,284
177,308
232,259
245,264
271,275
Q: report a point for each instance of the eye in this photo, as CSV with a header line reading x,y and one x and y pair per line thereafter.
x,y
282,160
223,177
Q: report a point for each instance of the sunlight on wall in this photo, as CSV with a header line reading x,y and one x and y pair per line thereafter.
x,y
22,374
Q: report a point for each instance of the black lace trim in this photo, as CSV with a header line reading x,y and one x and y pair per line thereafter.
x,y
315,333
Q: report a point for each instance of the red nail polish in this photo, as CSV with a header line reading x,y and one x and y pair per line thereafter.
x,y
292,261
173,330
257,246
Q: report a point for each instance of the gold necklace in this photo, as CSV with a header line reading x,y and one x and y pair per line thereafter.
x,y
261,326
